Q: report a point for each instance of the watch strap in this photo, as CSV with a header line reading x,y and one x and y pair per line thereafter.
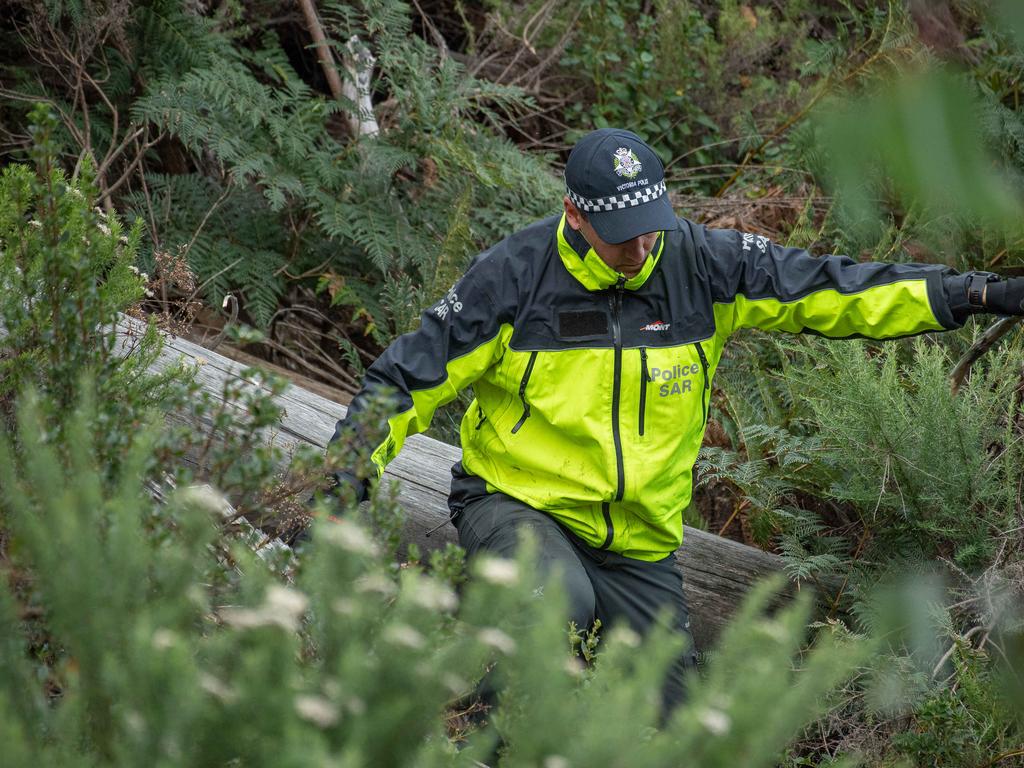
x,y
976,282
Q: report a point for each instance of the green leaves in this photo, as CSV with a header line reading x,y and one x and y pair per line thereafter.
x,y
921,133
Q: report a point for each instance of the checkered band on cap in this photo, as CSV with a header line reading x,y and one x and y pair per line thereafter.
x,y
616,202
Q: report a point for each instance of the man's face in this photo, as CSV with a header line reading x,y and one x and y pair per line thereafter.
x,y
627,258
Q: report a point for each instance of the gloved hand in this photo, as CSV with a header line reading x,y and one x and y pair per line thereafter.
x,y
1005,297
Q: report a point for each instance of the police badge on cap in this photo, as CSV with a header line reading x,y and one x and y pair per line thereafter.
x,y
619,183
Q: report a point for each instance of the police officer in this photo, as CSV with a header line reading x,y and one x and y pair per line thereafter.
x,y
591,339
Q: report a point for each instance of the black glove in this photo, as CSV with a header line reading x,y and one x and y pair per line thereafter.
x,y
1005,297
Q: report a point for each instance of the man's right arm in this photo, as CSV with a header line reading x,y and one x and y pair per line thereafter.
x,y
460,336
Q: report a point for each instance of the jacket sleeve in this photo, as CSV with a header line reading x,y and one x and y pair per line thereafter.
x,y
758,284
459,337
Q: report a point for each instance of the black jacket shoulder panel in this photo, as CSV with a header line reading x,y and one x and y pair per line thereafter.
x,y
674,306
740,263
556,312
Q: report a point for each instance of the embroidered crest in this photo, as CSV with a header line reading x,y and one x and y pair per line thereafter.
x,y
626,163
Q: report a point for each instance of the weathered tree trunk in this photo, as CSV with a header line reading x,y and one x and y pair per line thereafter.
x,y
717,571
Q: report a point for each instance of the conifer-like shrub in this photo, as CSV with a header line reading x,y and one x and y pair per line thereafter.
x,y
151,654
138,625
67,272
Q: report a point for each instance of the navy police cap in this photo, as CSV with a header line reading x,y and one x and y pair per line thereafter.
x,y
618,181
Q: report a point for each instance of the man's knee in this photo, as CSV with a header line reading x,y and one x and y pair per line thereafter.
x,y
579,595
497,524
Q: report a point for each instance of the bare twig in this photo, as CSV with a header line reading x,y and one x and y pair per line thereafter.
x,y
952,649
432,30
135,163
1002,756
323,48
232,302
216,204
992,334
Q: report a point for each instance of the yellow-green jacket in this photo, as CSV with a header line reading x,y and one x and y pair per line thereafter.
x,y
592,391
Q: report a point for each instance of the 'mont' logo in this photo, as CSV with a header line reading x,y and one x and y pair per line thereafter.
x,y
656,326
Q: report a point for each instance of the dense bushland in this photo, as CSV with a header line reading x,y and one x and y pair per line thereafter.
x,y
886,130
137,624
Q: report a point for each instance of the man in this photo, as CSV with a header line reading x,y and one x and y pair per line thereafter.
x,y
591,340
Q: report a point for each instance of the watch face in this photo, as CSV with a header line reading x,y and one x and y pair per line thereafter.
x,y
976,282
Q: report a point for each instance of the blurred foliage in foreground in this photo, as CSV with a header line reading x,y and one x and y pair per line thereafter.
x,y
140,623
138,626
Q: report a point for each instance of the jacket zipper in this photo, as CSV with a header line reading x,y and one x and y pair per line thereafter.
x,y
615,300
522,392
707,383
645,377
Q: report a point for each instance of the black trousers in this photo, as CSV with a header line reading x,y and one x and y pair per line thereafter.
x,y
599,584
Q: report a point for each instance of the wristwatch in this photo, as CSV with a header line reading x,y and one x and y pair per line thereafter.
x,y
976,282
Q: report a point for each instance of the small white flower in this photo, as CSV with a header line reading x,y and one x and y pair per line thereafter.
x,y
431,595
134,721
206,497
376,583
715,721
133,269
149,294
556,761
103,228
355,705
163,639
498,640
344,606
282,607
403,634
285,605
35,223
498,570
775,630
216,688
574,666
317,710
350,537
200,360
624,636
454,683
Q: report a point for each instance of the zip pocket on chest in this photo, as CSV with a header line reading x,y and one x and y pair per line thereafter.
x,y
645,379
706,390
522,392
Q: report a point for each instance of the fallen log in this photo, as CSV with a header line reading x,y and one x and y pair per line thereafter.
x,y
717,571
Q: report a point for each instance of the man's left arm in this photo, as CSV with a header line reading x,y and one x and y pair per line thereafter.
x,y
768,286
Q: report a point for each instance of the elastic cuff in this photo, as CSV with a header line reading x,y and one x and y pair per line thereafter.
x,y
950,305
955,288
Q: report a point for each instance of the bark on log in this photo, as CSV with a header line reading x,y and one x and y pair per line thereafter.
x,y
717,571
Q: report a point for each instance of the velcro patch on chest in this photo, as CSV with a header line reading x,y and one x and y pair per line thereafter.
x,y
587,323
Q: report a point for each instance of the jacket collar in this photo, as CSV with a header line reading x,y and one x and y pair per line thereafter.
x,y
589,269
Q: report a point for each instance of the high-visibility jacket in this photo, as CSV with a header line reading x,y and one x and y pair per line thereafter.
x,y
593,390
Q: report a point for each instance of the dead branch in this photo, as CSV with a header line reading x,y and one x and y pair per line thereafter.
x,y
323,48
358,63
988,339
